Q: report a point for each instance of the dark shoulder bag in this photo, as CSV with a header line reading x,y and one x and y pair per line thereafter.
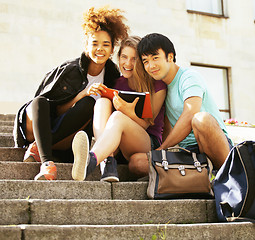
x,y
234,185
179,174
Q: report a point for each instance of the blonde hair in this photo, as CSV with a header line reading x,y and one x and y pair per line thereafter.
x,y
143,82
105,19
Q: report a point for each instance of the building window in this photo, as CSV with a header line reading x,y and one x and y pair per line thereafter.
x,y
211,7
217,81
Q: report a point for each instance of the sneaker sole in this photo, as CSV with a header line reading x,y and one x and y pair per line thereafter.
x,y
39,177
110,179
80,146
29,159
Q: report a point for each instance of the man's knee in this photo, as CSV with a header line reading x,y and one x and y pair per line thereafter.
x,y
133,162
201,120
138,164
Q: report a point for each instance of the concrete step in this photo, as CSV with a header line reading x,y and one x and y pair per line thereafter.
x,y
27,171
7,117
105,212
6,140
214,231
23,189
6,123
6,129
11,154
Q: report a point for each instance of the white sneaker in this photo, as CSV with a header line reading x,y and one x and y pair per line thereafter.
x,y
80,146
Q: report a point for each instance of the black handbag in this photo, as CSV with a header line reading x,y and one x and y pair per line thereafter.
x,y
234,185
179,173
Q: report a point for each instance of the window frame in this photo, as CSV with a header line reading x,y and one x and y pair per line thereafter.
x,y
229,111
223,15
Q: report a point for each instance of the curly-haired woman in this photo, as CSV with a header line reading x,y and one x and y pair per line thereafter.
x,y
64,101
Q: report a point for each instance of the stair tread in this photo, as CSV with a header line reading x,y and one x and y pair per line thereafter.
x,y
70,189
7,117
82,211
27,171
244,231
12,154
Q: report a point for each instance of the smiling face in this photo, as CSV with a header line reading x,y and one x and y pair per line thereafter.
x,y
127,61
99,47
157,65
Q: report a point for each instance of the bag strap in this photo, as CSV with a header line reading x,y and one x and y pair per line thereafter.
x,y
246,160
164,160
197,164
229,214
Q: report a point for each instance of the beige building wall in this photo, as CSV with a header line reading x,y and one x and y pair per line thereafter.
x,y
36,36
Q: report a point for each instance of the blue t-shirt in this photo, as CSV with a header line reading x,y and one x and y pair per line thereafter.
x,y
189,83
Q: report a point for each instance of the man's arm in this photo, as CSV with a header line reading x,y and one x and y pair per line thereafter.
x,y
182,127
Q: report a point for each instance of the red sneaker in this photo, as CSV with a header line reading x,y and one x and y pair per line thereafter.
x,y
48,171
32,154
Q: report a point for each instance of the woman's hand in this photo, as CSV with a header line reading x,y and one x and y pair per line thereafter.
x,y
129,110
96,88
123,106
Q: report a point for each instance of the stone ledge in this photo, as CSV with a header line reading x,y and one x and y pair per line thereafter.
x,y
29,189
239,134
103,212
244,231
27,171
112,212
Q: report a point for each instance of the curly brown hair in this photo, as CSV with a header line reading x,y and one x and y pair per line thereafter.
x,y
105,19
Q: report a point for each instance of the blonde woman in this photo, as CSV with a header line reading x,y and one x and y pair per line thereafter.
x,y
121,129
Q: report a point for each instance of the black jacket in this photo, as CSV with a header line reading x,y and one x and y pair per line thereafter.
x,y
61,85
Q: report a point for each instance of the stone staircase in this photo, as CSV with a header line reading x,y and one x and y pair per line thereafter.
x,y
66,209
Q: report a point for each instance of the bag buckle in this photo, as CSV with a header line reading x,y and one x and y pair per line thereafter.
x,y
164,160
197,165
165,165
181,168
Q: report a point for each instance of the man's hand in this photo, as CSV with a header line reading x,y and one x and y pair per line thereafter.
x,y
183,125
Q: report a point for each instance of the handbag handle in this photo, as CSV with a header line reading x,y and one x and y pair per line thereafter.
x,y
197,164
179,148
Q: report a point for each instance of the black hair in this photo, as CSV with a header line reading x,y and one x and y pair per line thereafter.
x,y
151,43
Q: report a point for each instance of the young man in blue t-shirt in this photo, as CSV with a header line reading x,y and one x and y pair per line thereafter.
x,y
194,120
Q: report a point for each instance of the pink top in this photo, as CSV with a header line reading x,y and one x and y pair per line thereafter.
x,y
157,128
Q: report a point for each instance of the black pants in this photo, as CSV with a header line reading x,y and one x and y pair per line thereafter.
x,y
50,129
